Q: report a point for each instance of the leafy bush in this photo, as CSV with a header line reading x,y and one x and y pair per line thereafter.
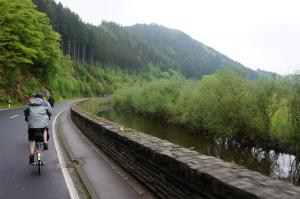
x,y
225,103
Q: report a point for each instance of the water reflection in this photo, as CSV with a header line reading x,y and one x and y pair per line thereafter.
x,y
268,162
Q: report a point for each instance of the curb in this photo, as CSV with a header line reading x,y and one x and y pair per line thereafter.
x,y
70,184
76,162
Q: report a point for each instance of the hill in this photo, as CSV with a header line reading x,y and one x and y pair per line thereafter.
x,y
45,46
136,48
191,57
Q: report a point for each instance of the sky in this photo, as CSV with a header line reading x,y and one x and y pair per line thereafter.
x,y
262,34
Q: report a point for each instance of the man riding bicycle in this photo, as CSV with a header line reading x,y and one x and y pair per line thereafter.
x,y
37,114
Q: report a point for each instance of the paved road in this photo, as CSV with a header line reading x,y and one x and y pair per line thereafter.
x,y
18,179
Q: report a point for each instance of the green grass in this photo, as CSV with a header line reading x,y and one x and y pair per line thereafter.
x,y
94,105
14,105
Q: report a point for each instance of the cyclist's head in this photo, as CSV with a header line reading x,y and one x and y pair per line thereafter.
x,y
39,95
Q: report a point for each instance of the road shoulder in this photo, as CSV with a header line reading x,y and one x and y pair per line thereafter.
x,y
73,180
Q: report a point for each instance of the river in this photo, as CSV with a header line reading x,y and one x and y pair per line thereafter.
x,y
281,166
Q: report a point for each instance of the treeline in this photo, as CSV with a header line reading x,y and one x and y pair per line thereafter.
x,y
78,40
31,60
59,54
225,104
108,44
190,57
133,49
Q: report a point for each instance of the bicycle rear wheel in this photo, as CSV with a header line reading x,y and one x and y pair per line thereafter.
x,y
39,165
39,155
39,162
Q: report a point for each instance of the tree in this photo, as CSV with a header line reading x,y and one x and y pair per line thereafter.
x,y
294,108
25,35
223,103
267,95
27,43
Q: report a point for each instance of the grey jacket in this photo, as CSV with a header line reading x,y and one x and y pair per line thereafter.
x,y
38,113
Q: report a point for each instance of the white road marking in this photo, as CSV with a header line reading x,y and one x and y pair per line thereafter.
x,y
69,182
14,116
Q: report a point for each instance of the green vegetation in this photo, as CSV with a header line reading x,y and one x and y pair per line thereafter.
x,y
133,49
27,46
225,104
94,105
44,46
188,56
31,60
60,54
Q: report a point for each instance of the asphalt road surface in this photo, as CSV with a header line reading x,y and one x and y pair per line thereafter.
x,y
19,179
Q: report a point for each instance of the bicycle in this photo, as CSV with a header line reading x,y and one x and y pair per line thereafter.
x,y
39,155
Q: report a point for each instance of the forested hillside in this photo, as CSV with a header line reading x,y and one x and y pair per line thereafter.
x,y
31,59
192,58
45,46
134,49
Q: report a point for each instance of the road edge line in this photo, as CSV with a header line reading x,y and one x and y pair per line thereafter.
x,y
62,163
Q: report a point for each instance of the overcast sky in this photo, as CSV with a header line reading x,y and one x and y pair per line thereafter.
x,y
261,34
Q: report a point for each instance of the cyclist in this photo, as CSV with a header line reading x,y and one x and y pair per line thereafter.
x,y
51,101
37,114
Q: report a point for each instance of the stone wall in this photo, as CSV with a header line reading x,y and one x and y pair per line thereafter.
x,y
171,171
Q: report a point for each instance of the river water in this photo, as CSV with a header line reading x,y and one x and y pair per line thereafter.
x,y
281,166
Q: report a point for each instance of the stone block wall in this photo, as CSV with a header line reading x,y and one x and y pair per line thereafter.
x,y
171,171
